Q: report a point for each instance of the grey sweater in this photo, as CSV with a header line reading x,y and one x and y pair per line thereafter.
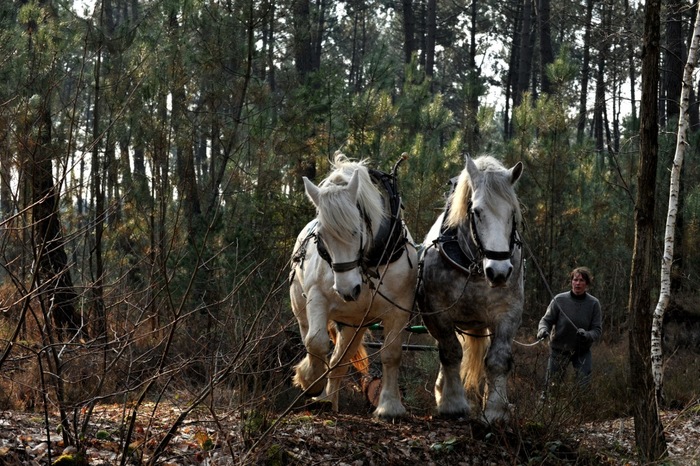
x,y
581,312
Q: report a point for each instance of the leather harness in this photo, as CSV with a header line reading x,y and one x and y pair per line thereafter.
x,y
389,243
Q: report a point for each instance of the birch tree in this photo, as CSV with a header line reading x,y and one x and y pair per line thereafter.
x,y
669,236
648,428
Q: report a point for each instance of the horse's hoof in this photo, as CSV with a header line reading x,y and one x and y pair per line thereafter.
x,y
390,417
320,406
494,419
497,415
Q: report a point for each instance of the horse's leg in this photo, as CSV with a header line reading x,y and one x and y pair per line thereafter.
x,y
449,391
309,373
296,296
346,347
499,363
390,406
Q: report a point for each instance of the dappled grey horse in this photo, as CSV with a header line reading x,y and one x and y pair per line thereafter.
x,y
471,289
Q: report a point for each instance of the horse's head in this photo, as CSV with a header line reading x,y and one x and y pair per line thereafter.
x,y
493,214
341,232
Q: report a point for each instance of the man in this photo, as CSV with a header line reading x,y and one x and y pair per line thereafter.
x,y
575,321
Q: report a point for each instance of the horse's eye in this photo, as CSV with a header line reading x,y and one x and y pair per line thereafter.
x,y
477,213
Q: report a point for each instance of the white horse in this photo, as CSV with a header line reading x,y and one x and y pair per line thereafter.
x,y
354,265
471,290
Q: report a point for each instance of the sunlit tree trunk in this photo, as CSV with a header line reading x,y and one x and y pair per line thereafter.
x,y
649,434
673,199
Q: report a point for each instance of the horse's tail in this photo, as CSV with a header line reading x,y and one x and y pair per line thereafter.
x,y
360,360
474,347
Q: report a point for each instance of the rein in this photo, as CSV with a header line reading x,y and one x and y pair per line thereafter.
x,y
549,290
546,284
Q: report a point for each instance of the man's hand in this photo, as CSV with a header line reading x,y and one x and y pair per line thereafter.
x,y
542,334
582,334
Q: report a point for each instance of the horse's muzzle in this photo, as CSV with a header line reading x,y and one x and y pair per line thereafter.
x,y
498,276
350,296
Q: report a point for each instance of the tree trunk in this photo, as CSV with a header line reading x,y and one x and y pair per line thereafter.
x,y
56,291
546,50
409,31
56,283
694,112
632,67
673,200
318,29
98,195
649,433
303,49
184,150
355,75
585,71
674,54
472,84
271,47
511,77
431,29
525,56
6,164
599,108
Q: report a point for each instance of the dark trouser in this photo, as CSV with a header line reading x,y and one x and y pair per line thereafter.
x,y
559,361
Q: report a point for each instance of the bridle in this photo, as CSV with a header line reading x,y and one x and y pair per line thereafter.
x,y
388,245
488,253
340,267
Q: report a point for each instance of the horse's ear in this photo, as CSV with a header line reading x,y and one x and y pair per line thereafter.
x,y
311,190
472,170
354,184
515,172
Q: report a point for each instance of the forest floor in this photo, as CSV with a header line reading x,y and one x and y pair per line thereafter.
x,y
321,437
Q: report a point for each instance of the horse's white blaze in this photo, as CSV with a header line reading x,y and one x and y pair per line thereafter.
x,y
493,224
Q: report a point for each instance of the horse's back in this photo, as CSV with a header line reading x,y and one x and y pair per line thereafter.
x,y
433,233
